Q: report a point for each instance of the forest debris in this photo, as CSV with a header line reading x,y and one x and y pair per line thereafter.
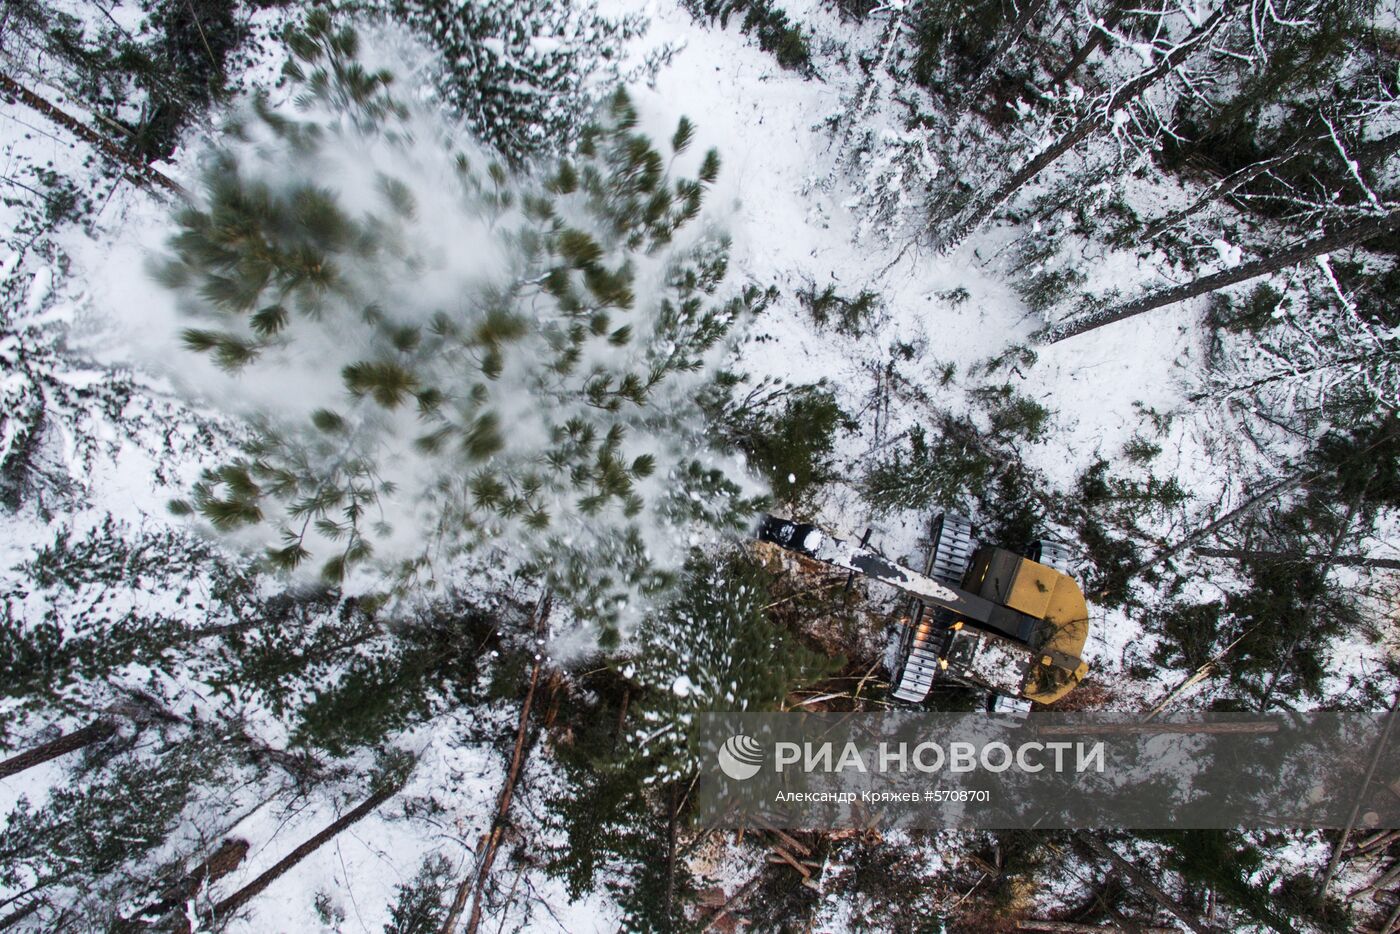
x,y
231,905
476,883
792,844
1376,841
1141,880
724,912
1336,859
783,856
224,860
1069,927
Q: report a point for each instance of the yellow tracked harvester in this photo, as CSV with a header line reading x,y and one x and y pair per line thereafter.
x,y
1011,623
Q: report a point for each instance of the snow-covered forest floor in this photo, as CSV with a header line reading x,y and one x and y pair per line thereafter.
x,y
880,345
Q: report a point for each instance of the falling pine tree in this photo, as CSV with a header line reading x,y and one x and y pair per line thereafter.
x,y
466,360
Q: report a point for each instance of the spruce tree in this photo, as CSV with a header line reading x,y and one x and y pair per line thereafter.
x,y
522,73
625,749
788,433
767,23
97,848
85,607
712,648
149,78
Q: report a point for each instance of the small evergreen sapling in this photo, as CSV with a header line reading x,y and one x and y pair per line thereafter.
x,y
421,905
468,360
850,316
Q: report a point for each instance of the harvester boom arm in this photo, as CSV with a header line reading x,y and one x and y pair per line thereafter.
x,y
812,542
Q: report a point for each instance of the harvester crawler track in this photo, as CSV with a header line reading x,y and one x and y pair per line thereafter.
x,y
951,549
925,639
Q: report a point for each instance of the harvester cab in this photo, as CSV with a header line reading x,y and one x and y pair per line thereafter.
x,y
978,614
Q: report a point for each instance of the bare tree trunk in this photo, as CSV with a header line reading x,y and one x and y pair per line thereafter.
x,y
94,732
1336,858
224,860
1298,557
1338,238
733,902
1374,152
141,708
476,885
1378,840
237,900
1297,372
1196,677
1311,609
1008,39
1220,189
19,914
671,816
1148,887
1248,506
1098,35
975,216
1190,542
140,172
